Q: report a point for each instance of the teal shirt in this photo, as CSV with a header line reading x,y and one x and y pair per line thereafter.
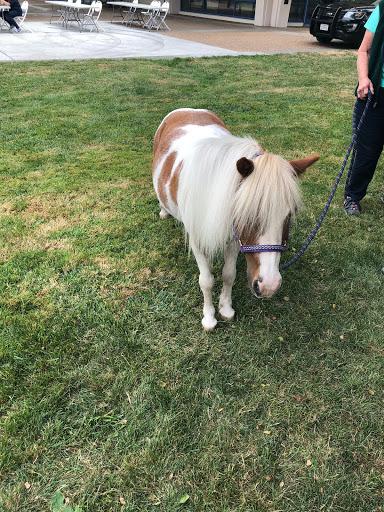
x,y
371,25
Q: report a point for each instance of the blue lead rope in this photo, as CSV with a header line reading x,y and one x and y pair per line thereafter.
x,y
321,218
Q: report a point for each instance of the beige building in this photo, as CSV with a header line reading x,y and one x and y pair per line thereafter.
x,y
264,13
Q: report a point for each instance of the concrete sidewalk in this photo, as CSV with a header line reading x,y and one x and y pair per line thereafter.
x,y
43,41
188,37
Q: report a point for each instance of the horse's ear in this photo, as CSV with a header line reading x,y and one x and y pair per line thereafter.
x,y
245,166
300,166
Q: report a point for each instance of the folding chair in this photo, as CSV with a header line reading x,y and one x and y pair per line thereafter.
x,y
92,16
59,13
132,14
162,13
19,19
151,14
24,10
72,14
3,23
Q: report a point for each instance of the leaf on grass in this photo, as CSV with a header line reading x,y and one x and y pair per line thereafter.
x,y
57,502
183,499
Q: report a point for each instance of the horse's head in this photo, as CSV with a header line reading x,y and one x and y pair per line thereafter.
x,y
267,198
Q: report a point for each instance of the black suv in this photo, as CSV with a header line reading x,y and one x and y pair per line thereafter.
x,y
343,19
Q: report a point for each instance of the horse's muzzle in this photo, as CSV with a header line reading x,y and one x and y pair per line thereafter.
x,y
263,290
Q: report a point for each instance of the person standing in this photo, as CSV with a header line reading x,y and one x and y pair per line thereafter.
x,y
14,12
370,140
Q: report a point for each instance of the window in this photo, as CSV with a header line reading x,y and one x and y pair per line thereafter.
x,y
301,10
233,8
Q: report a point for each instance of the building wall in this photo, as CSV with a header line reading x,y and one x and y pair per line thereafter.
x,y
272,13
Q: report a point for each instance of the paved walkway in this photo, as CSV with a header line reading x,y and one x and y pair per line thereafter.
x,y
189,37
44,41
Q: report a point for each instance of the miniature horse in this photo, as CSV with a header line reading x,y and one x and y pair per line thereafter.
x,y
217,184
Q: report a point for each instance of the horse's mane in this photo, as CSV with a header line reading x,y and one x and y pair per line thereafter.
x,y
213,197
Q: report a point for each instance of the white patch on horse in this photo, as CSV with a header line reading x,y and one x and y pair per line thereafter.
x,y
208,184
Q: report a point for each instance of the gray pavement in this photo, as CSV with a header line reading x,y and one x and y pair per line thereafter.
x,y
41,40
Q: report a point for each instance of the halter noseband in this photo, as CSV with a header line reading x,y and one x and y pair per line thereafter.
x,y
259,247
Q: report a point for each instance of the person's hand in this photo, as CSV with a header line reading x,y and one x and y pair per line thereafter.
x,y
364,86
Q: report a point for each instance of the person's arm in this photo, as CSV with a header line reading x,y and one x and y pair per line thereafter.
x,y
365,84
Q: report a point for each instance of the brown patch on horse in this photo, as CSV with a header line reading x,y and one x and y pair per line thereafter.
x,y
164,177
301,165
250,237
174,185
253,266
181,118
172,128
286,228
162,145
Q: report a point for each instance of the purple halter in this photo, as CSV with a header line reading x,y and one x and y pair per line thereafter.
x,y
259,247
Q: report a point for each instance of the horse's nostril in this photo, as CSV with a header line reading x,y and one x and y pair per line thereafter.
x,y
256,288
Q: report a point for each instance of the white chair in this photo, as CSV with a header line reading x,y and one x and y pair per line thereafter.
x,y
59,13
162,13
92,16
132,14
24,9
73,14
3,23
151,14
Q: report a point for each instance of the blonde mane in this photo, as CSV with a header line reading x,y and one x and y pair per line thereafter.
x,y
213,197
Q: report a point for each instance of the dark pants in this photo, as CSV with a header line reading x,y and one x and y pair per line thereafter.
x,y
369,146
10,16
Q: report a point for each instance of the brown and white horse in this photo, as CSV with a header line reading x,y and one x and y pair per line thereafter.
x,y
215,183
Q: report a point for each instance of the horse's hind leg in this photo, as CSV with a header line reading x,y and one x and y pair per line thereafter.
x,y
206,284
229,274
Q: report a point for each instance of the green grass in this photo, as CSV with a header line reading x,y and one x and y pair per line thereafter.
x,y
111,395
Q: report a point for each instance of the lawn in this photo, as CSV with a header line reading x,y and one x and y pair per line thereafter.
x,y
111,395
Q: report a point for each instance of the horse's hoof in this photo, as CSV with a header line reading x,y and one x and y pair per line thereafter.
x,y
227,314
163,214
227,318
208,324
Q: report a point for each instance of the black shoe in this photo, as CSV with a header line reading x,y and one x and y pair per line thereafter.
x,y
351,207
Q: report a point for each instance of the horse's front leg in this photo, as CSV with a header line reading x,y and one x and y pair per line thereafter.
x,y
206,284
229,274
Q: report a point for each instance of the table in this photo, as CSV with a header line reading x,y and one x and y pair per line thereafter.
x,y
133,7
68,9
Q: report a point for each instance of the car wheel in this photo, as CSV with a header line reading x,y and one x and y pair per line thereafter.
x,y
324,39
